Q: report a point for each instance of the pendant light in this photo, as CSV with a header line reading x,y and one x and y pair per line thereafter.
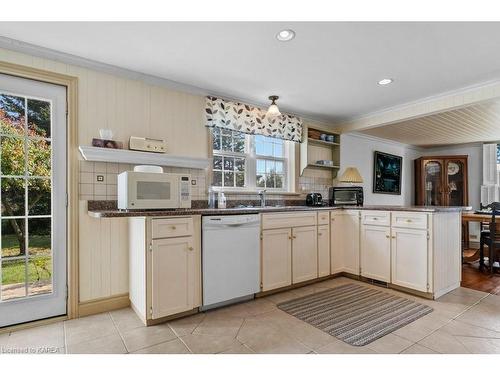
x,y
273,109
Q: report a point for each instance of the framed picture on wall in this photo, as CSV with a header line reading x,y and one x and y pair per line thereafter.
x,y
387,173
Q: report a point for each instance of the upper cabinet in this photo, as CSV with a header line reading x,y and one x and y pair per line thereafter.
x,y
441,181
317,147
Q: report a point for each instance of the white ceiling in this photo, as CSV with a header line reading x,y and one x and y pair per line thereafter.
x,y
475,123
329,71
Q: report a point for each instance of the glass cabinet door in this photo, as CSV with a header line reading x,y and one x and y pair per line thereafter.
x,y
433,183
455,181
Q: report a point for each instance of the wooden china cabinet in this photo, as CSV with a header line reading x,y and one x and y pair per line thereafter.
x,y
441,181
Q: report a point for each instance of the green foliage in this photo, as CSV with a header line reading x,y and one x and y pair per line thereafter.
x,y
24,151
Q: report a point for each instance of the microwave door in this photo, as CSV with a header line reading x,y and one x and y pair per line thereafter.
x,y
154,192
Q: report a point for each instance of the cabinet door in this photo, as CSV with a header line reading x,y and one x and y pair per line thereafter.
x,y
456,182
323,250
304,254
376,252
434,191
410,258
344,240
276,258
173,283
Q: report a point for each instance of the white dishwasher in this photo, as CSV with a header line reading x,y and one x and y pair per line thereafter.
x,y
230,259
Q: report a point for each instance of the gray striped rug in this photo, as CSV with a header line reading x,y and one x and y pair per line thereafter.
x,y
355,314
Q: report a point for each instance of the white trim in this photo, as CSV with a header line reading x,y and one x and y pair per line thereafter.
x,y
380,140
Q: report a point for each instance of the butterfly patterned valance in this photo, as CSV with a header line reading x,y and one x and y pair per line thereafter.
x,y
248,119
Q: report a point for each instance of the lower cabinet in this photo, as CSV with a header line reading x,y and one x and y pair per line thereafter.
x,y
173,276
344,241
376,252
323,250
164,266
410,253
304,254
276,258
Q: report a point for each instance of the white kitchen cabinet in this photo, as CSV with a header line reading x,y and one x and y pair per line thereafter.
x,y
410,258
304,254
164,266
173,276
376,252
276,258
344,241
323,250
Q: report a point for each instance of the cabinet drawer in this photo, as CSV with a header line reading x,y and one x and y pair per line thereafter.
x,y
323,217
288,219
413,220
164,228
382,218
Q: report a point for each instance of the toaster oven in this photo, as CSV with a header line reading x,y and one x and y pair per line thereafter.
x,y
345,196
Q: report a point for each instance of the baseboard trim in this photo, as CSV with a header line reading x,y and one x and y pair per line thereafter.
x,y
34,324
103,305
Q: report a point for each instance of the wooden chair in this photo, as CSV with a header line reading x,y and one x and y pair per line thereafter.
x,y
491,238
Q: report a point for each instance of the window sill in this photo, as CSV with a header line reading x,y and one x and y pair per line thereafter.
x,y
256,192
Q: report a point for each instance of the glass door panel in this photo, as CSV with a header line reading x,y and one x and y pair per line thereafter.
x,y
25,169
433,180
455,174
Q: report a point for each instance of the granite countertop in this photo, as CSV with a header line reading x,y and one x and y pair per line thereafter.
x,y
113,212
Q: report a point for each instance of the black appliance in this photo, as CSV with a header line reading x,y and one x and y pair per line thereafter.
x,y
314,199
345,196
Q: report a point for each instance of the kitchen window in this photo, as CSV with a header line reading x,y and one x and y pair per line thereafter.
x,y
246,162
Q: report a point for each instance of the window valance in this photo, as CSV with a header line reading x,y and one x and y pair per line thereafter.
x,y
248,119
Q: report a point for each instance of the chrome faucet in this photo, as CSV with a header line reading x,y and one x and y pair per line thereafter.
x,y
262,195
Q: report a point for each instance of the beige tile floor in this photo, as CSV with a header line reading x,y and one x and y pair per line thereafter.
x,y
463,321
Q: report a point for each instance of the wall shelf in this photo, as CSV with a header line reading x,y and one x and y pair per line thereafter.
x,y
313,165
110,155
319,142
313,149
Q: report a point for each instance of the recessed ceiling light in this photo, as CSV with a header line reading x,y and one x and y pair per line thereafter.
x,y
385,81
285,35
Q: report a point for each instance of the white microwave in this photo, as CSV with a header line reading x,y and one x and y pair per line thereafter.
x,y
142,190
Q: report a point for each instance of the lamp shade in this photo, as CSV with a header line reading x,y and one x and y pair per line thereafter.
x,y
351,174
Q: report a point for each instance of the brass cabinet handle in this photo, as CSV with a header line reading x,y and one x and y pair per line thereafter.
x,y
375,218
387,236
173,227
333,219
190,248
408,220
289,237
320,234
393,237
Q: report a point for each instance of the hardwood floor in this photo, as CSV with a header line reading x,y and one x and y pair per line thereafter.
x,y
472,278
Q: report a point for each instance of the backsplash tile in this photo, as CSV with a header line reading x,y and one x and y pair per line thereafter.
x,y
92,189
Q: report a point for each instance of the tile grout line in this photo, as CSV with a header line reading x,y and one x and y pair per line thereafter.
x,y
449,321
119,332
180,337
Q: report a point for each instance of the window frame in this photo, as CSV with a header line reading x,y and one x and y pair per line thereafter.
x,y
251,157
